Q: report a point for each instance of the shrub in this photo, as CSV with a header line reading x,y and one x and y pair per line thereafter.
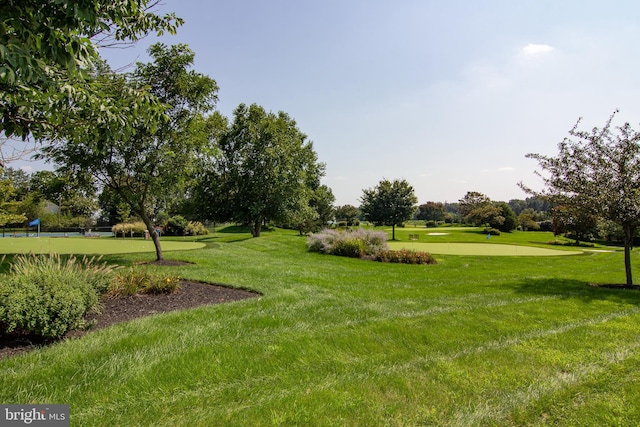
x,y
176,226
405,256
358,243
134,281
352,248
138,228
196,228
47,296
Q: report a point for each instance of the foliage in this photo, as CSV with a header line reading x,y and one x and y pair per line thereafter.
x,y
134,281
389,203
347,213
176,226
405,256
526,220
196,228
129,228
266,169
151,158
597,174
46,49
431,211
348,243
48,296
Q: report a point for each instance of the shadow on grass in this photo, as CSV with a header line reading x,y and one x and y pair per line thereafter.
x,y
576,289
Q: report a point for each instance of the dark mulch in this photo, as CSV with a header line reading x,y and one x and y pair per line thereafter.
x,y
122,309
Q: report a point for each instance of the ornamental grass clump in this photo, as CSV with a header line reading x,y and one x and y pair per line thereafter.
x,y
47,296
355,244
134,281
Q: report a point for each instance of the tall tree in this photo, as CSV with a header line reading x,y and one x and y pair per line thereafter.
x,y
265,169
46,51
597,171
431,211
147,157
389,203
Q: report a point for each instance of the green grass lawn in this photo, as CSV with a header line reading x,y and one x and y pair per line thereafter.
x,y
94,246
471,341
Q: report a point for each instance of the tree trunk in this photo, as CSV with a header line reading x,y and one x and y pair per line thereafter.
x,y
256,226
628,244
154,236
393,232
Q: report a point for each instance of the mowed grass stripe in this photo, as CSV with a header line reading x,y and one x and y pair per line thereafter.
x,y
90,246
480,249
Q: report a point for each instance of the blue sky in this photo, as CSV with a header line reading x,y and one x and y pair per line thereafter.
x,y
449,95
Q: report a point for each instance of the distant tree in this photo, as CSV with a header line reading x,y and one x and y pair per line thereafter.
x,y
265,169
576,220
471,201
431,211
322,201
478,209
597,172
347,213
526,220
150,156
509,219
389,203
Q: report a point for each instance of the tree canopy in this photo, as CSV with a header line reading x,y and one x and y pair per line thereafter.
x,y
389,203
596,171
47,52
151,157
266,170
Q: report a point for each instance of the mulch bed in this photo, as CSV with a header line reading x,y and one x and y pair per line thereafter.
x,y
116,310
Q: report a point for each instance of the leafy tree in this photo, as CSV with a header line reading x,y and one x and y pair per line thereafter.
x,y
265,169
597,172
322,201
431,211
347,213
46,51
389,203
149,157
510,220
526,220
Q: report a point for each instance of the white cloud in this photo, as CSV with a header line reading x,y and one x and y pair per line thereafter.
x,y
506,169
533,49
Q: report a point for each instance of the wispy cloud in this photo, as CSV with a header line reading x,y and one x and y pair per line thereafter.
x,y
506,169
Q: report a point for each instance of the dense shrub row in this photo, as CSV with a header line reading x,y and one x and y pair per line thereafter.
x,y
47,296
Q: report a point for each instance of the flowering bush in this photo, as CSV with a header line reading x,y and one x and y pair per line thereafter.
x,y
355,244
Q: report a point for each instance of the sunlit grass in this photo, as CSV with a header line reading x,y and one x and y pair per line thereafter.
x,y
506,341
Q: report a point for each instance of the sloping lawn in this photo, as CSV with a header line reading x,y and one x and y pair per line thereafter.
x,y
93,246
504,341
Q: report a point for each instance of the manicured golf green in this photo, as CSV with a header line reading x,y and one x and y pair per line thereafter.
x,y
81,245
479,249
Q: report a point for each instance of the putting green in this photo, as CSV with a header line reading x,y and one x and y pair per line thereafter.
x,y
479,249
93,246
